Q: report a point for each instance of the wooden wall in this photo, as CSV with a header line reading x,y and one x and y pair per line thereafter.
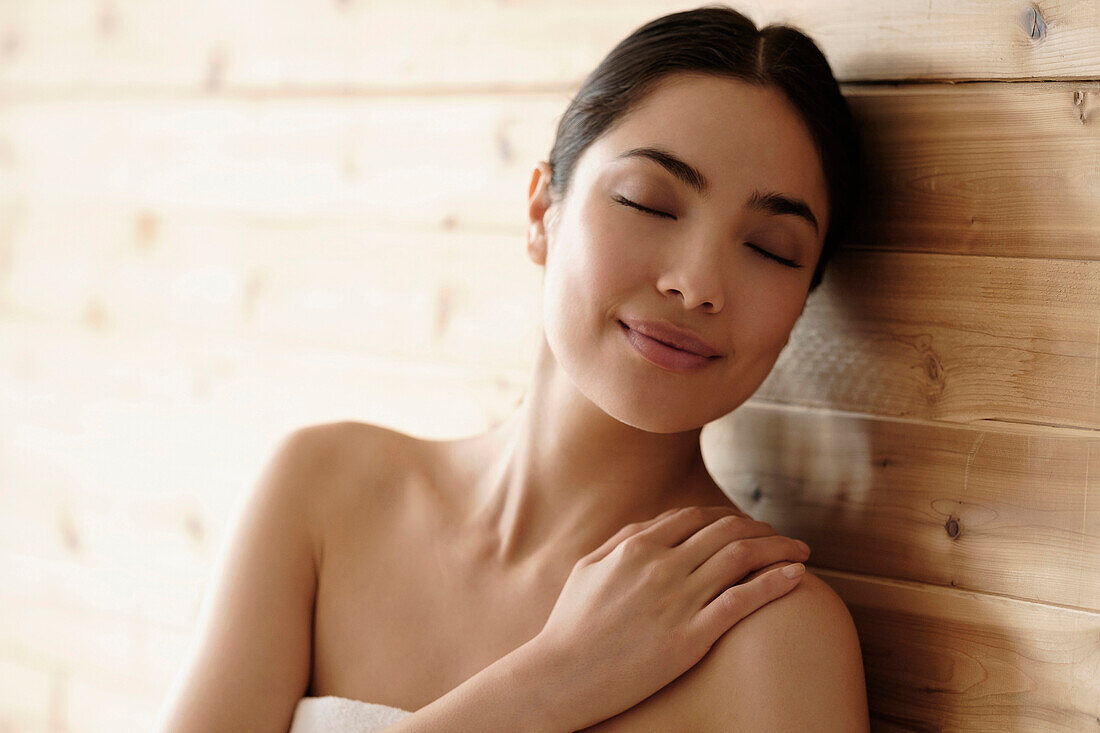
x,y
222,221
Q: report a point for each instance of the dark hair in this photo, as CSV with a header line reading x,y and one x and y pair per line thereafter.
x,y
716,39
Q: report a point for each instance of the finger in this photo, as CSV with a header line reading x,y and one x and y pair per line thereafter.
x,y
737,559
736,603
765,569
714,537
612,542
674,529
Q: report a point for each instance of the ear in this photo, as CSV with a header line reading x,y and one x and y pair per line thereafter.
x,y
538,203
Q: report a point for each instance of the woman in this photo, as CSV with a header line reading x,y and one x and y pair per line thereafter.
x,y
577,567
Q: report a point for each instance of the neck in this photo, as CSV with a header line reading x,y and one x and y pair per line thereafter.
x,y
561,475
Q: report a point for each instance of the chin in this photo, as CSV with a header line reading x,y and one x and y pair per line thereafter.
x,y
651,416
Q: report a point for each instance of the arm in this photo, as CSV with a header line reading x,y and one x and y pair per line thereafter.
x,y
250,659
630,618
526,690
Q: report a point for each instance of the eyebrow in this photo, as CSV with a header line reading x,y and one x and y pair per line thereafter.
x,y
771,202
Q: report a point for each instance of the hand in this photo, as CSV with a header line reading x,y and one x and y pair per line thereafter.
x,y
649,603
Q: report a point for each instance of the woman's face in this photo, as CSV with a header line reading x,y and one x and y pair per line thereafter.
x,y
704,264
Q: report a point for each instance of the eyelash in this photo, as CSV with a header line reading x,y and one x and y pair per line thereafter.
x,y
662,214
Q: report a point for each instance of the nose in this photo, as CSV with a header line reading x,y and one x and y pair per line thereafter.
x,y
696,280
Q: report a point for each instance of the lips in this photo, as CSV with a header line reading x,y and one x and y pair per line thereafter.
x,y
670,334
662,355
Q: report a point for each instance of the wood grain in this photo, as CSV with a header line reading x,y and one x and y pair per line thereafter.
x,y
221,221
987,169
941,659
1010,170
147,47
1011,510
948,337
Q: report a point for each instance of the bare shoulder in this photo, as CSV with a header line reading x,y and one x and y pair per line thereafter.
x,y
347,439
355,471
794,664
355,450
251,659
306,476
317,455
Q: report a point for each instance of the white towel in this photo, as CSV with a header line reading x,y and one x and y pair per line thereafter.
x,y
331,714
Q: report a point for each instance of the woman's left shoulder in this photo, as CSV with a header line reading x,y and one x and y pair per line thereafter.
x,y
794,664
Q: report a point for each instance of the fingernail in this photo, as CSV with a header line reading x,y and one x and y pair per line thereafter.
x,y
803,545
793,571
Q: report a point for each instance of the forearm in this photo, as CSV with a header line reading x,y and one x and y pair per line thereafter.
x,y
526,690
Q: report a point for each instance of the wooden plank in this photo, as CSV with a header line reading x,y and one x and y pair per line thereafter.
x,y
1011,170
943,659
67,639
445,297
422,161
97,664
991,169
144,593
105,706
288,45
110,449
948,337
135,415
27,697
1000,509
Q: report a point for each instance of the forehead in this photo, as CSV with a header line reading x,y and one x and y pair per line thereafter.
x,y
740,136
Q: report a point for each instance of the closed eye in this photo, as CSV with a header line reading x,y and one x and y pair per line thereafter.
x,y
639,207
654,212
769,255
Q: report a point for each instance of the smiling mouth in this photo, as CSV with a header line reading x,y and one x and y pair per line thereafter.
x,y
665,343
663,355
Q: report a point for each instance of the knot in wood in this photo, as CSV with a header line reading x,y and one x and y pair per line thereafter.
x,y
952,527
1033,23
933,367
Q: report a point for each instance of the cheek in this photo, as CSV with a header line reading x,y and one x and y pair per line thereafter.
x,y
769,313
573,278
618,254
596,258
